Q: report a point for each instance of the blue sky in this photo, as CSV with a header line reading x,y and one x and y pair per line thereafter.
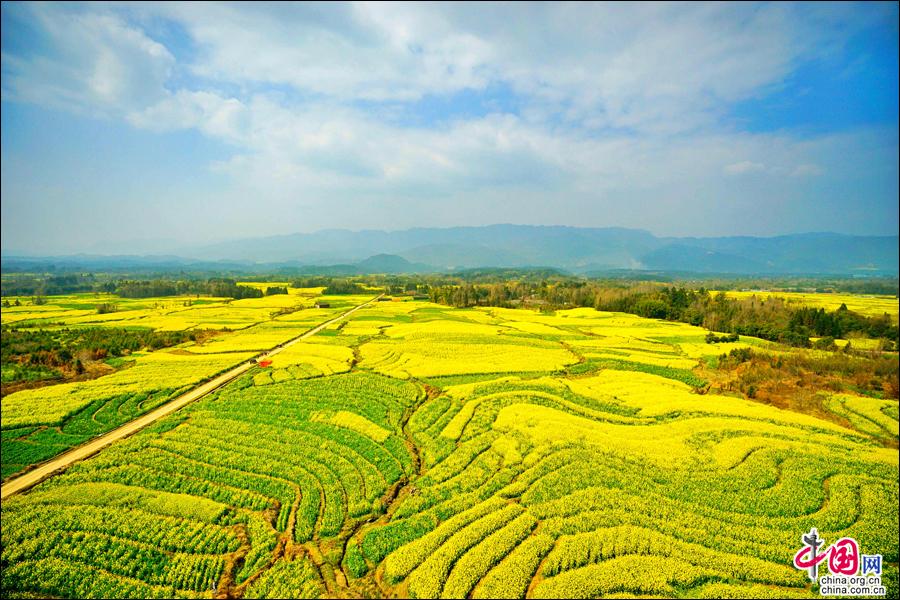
x,y
153,127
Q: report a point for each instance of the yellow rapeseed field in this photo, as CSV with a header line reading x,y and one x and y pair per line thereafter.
x,y
417,450
869,305
155,371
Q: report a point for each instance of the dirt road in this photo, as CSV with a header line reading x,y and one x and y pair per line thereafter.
x,y
63,461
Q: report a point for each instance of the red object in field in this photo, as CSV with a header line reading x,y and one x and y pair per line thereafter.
x,y
265,363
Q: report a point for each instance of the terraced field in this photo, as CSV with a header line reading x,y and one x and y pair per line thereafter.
x,y
40,423
229,481
433,452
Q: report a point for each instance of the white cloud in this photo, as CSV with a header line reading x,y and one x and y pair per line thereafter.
x,y
217,116
745,166
622,106
341,151
346,51
655,68
97,63
807,170
661,68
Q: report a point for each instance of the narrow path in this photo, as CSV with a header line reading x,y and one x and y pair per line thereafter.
x,y
63,461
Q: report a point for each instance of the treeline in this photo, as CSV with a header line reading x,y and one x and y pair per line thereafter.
x,y
218,287
36,286
344,287
770,319
333,286
389,284
886,286
31,285
311,282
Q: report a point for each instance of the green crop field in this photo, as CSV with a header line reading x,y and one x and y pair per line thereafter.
x,y
424,451
41,422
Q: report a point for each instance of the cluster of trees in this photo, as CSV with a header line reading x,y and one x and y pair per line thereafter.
x,y
126,284
311,282
838,323
766,373
389,284
70,348
135,288
344,286
31,285
274,290
712,338
215,286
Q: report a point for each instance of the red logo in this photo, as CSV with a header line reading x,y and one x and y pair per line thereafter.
x,y
843,557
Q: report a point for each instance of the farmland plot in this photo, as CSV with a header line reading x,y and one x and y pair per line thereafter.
x,y
40,423
168,512
480,453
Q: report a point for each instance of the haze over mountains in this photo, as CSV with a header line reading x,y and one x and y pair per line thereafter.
x,y
578,250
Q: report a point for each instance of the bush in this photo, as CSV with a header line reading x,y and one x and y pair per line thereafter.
x,y
825,343
712,338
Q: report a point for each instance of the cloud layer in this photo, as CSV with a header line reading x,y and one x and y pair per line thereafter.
x,y
395,115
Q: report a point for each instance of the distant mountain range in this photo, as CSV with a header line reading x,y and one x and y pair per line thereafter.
x,y
574,249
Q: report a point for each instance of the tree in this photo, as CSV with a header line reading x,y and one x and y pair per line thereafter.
x,y
825,343
652,309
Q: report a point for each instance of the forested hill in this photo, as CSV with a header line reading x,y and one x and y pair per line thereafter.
x,y
575,249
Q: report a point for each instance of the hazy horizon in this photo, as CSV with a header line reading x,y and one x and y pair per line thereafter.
x,y
154,126
161,247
